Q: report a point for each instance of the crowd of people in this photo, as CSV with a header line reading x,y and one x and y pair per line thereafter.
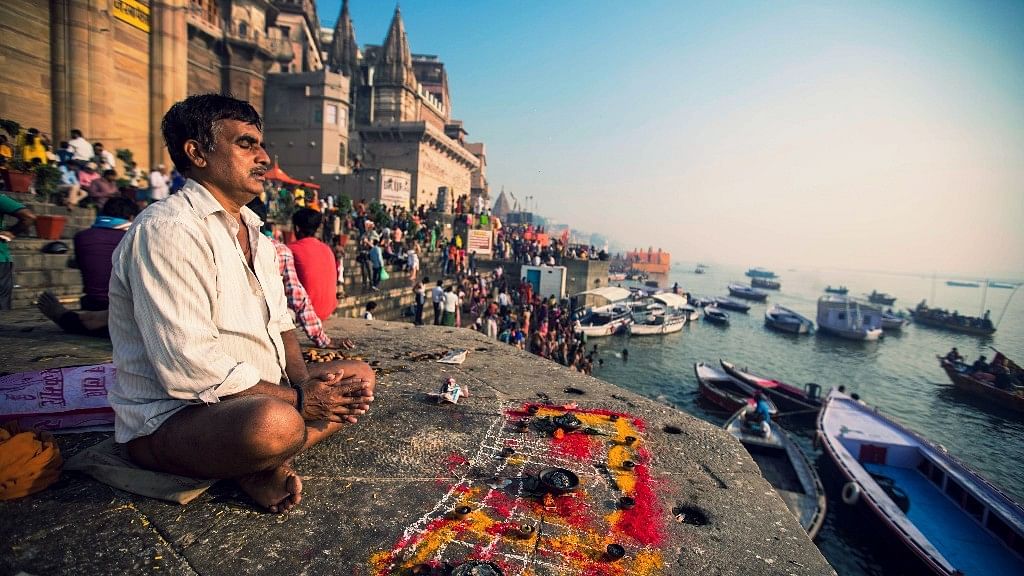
x,y
89,174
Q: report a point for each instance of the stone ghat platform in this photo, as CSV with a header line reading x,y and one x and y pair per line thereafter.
x,y
382,496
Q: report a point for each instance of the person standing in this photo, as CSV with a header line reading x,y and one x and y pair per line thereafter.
x,y
377,263
158,184
413,262
451,306
314,263
421,300
10,207
437,297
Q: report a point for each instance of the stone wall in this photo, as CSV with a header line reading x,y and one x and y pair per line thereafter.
x,y
25,63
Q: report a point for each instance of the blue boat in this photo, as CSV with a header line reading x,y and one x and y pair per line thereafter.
x,y
731,304
747,293
715,316
760,273
953,520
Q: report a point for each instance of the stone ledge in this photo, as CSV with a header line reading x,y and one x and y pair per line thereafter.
x,y
370,488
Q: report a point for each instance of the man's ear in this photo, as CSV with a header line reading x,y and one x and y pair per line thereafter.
x,y
195,153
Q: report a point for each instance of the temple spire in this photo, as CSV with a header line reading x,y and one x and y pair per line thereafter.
x,y
394,65
344,54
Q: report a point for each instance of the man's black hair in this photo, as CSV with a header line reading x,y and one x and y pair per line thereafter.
x,y
371,305
306,221
118,207
194,118
75,133
95,144
109,173
257,206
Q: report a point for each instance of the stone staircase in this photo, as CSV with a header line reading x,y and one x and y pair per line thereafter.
x,y
35,271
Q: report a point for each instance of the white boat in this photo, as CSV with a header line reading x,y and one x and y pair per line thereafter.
x,y
692,314
848,318
952,519
786,320
785,466
662,313
607,319
892,322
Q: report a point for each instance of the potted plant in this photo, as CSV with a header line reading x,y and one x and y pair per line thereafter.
x,y
17,175
47,180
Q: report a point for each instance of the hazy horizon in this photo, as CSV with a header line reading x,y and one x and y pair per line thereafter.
x,y
873,135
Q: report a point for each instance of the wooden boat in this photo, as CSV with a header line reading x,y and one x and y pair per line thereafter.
x,y
785,466
725,391
965,380
765,283
786,320
992,284
664,322
747,293
952,519
790,398
881,298
959,284
731,304
692,315
760,273
847,318
839,290
893,322
604,321
715,316
942,319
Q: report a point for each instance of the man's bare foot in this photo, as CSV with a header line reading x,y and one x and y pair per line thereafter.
x,y
50,306
278,490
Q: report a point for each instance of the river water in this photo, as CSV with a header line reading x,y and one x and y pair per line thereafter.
x,y
898,374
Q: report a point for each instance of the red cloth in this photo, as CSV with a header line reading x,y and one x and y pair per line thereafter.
x,y
318,272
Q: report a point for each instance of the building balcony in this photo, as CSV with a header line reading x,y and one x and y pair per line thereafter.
x,y
243,35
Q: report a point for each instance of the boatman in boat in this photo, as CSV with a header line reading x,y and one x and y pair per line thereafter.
x,y
761,410
954,356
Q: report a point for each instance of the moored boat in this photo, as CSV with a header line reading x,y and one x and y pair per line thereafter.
x,y
715,316
663,323
961,284
952,519
766,283
785,320
1007,393
785,466
692,315
747,293
790,398
760,273
604,321
992,284
725,391
847,318
943,319
731,304
881,298
893,321
837,290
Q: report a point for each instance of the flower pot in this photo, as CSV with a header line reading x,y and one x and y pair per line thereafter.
x,y
50,227
17,181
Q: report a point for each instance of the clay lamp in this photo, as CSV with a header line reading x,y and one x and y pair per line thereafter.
x,y
614,552
630,440
525,530
507,451
625,503
558,480
613,417
462,512
422,569
532,410
523,424
628,465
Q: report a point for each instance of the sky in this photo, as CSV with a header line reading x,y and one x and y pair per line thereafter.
x,y
860,135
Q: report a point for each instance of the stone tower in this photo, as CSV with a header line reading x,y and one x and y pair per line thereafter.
x,y
344,54
396,87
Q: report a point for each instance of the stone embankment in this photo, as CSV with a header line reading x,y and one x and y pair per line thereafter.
x,y
382,497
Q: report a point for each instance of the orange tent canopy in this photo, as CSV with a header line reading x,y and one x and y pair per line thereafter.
x,y
278,175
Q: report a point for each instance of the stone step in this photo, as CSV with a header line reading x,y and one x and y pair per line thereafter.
x,y
23,297
44,279
40,261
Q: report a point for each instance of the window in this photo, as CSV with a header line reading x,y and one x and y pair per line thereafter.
x,y
342,158
332,114
285,32
243,29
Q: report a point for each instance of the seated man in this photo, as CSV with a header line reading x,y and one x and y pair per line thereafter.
x,y
94,247
954,356
211,381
